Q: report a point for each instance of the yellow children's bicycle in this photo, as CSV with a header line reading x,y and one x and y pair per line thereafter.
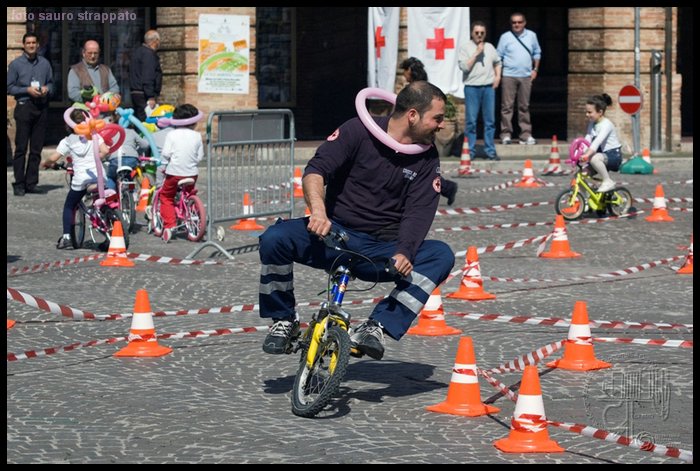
x,y
325,344
583,195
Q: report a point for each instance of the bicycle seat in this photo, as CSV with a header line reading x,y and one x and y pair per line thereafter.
x,y
124,168
185,182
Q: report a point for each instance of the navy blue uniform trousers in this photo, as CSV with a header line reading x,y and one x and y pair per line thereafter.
x,y
288,241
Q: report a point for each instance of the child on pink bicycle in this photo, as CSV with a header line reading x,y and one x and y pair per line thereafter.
x,y
182,151
604,152
84,172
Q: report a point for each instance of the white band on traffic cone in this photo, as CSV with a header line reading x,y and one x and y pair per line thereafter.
x,y
580,334
464,374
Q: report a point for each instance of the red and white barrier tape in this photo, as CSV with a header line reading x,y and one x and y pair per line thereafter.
x,y
600,434
92,343
656,342
668,200
57,264
531,358
533,224
48,306
623,272
498,386
558,322
170,260
507,246
489,209
500,186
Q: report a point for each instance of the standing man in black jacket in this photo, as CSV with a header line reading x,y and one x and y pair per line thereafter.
x,y
145,74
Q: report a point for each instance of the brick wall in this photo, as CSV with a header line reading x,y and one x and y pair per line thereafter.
x,y
15,30
601,59
179,31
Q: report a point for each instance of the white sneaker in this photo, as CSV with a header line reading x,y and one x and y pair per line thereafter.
x,y
167,235
506,140
530,141
606,186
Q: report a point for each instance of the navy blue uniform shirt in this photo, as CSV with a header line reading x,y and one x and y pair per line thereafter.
x,y
373,189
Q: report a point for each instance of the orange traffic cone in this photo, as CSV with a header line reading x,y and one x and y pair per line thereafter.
x,y
431,320
143,195
554,166
298,189
659,212
528,180
463,394
646,155
142,335
10,324
116,255
687,268
472,286
528,429
247,224
465,160
560,242
578,348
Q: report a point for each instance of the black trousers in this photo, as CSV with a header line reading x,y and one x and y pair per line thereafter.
x,y
138,99
30,120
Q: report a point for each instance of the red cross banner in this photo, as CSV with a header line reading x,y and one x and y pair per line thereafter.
x,y
434,37
383,43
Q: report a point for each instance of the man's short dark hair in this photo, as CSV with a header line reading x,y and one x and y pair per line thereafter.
x,y
417,95
30,35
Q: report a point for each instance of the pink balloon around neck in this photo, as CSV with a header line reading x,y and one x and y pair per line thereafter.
x,y
373,127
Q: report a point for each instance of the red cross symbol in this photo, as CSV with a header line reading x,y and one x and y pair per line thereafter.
x,y
379,41
440,43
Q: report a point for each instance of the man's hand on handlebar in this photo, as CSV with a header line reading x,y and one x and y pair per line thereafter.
x,y
403,264
319,225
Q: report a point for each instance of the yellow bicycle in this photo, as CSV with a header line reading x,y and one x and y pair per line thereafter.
x,y
325,344
583,195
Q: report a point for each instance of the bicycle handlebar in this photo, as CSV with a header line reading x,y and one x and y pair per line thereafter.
x,y
336,239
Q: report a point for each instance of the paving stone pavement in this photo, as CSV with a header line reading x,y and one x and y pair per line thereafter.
x,y
220,399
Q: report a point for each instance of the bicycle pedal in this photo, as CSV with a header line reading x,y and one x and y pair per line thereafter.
x,y
354,352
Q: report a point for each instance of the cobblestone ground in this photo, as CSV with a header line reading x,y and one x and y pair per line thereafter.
x,y
219,399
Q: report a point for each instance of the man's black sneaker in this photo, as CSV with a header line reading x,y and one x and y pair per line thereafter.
x,y
368,338
18,190
64,243
450,191
282,333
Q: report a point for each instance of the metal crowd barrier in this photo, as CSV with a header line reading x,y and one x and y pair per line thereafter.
x,y
248,153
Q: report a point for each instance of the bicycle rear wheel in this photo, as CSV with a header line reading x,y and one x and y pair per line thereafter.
x,y
315,387
195,218
156,221
110,216
127,206
569,207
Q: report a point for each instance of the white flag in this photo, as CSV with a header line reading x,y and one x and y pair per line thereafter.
x,y
383,46
434,37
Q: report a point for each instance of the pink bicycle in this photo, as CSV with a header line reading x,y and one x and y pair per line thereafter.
x,y
189,211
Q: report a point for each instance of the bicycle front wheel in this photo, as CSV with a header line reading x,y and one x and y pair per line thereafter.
x,y
78,228
195,218
315,386
568,206
620,201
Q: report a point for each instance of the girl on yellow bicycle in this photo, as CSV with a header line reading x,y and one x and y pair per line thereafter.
x,y
605,153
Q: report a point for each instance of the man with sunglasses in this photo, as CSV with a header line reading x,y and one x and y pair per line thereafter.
x,y
481,68
520,54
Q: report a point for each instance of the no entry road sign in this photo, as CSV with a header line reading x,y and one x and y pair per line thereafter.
x,y
630,99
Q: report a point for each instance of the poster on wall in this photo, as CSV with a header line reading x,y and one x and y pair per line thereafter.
x,y
224,54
